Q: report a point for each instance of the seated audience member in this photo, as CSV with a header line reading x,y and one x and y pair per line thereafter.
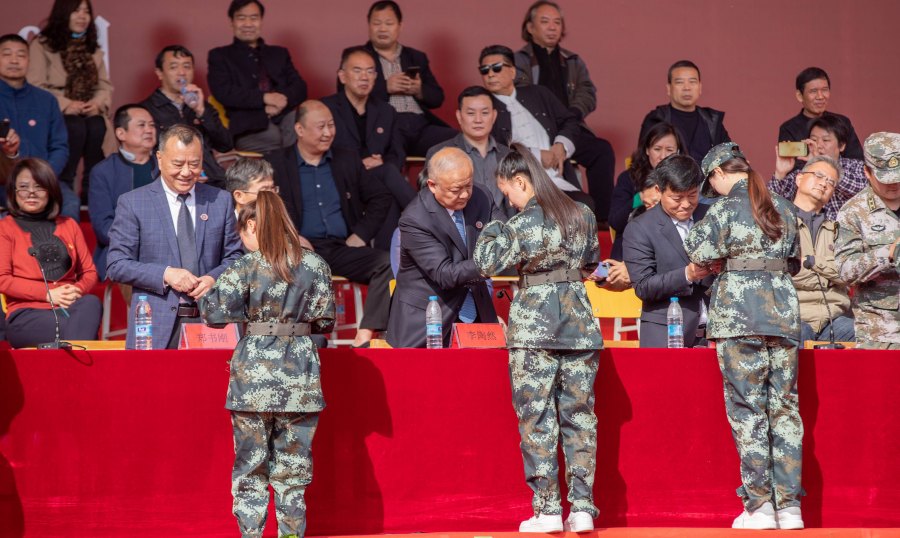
x,y
476,115
172,239
67,61
655,257
34,229
542,61
326,191
175,70
662,140
412,94
534,116
865,250
827,136
813,92
132,167
246,178
255,82
700,127
36,124
438,232
815,185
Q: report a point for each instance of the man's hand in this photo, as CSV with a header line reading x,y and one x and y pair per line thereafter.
x,y
275,99
64,296
272,111
893,248
618,277
415,86
10,144
696,272
204,284
180,279
783,165
373,161
304,242
813,150
560,152
355,241
74,108
400,84
549,159
90,109
200,107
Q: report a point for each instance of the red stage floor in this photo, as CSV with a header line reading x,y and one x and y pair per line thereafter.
x,y
138,443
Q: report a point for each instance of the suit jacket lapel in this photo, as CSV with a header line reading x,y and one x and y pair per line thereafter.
x,y
371,124
165,215
446,222
347,115
668,230
472,230
200,210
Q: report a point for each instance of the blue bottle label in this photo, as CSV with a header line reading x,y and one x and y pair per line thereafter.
x,y
676,330
433,330
143,330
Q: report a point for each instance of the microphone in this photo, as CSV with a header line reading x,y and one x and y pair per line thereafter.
x,y
809,263
56,344
501,293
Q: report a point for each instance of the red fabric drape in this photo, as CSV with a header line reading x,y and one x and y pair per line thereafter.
x,y
138,443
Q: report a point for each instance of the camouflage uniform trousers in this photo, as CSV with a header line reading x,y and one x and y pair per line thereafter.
x,y
271,448
763,407
542,380
869,344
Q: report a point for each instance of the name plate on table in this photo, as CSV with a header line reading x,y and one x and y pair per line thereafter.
x,y
200,336
477,336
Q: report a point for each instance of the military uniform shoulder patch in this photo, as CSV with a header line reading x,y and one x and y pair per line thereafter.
x,y
878,228
872,205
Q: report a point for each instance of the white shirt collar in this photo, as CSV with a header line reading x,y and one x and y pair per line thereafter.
x,y
507,99
174,195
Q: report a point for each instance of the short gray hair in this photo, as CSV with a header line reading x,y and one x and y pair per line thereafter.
x,y
830,161
186,134
446,160
242,173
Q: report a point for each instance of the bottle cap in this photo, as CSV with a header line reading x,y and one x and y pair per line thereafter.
x,y
674,299
433,298
142,297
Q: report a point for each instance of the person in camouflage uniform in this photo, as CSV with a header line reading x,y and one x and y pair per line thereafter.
x,y
552,336
274,390
754,316
865,249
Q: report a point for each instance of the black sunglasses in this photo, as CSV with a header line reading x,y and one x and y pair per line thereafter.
x,y
495,67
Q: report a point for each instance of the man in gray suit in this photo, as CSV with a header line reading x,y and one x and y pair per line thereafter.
x,y
438,232
172,239
655,256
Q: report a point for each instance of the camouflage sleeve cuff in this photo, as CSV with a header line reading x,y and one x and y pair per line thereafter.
x,y
882,257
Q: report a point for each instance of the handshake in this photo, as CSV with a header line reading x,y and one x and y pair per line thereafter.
x,y
183,281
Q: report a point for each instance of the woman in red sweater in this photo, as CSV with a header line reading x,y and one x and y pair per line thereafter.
x,y
34,229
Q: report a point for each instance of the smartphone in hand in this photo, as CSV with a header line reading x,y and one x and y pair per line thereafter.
x,y
4,128
412,71
793,149
602,270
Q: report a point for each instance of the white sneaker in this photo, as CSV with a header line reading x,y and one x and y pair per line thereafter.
x,y
543,523
761,519
579,522
789,518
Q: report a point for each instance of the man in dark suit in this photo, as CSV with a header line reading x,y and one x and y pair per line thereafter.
x,y
533,116
438,232
655,258
413,97
369,126
173,238
255,82
338,206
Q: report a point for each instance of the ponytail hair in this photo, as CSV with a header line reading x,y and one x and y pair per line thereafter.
x,y
553,201
764,213
279,242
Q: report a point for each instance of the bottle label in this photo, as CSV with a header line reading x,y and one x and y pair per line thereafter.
x,y
340,310
676,330
433,330
143,330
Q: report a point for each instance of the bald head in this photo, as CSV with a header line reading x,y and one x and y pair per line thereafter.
x,y
450,176
314,127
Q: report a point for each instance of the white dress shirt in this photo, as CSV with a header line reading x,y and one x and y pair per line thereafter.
x,y
684,227
175,209
529,131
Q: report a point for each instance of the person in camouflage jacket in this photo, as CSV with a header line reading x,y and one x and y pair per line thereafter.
x,y
274,390
754,316
552,336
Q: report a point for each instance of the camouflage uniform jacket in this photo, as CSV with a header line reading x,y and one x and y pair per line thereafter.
x,y
747,303
546,316
866,229
273,373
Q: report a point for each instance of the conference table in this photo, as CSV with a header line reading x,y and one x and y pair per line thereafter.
x,y
138,443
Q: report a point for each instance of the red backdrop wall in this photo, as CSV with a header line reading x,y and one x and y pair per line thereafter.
x,y
749,52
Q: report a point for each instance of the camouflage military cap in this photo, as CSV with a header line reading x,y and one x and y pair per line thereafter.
x,y
716,156
883,156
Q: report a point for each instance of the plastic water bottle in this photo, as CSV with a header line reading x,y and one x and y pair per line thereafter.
x,y
190,98
143,326
340,309
434,336
676,324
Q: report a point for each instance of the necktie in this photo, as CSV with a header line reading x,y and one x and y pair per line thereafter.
x,y
187,241
468,312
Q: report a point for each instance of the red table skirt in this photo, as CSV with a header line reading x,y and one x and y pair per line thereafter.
x,y
114,443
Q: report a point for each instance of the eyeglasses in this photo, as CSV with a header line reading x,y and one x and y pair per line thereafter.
x,y
274,189
38,192
494,67
819,175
